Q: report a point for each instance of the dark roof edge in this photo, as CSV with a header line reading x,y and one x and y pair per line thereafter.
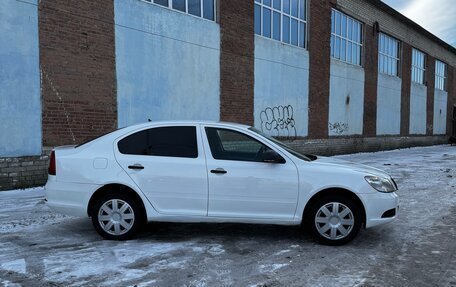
x,y
388,9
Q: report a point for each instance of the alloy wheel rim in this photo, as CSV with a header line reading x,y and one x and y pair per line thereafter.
x,y
116,217
334,221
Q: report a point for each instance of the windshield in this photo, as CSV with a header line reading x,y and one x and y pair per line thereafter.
x,y
306,157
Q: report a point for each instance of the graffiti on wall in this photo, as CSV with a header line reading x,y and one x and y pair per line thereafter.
x,y
338,127
279,122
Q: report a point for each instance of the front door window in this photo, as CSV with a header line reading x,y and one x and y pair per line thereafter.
x,y
231,145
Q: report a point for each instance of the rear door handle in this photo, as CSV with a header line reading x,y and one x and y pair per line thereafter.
x,y
136,166
219,171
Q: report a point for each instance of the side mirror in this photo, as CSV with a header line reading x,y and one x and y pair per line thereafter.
x,y
271,156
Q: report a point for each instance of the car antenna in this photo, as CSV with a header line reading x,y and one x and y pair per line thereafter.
x,y
149,120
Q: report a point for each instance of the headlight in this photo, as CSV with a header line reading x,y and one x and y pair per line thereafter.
x,y
380,183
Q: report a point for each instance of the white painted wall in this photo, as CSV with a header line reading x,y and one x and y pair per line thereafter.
x,y
440,112
418,98
281,88
167,64
388,105
346,99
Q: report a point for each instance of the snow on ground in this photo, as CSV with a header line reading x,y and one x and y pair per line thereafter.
x,y
41,248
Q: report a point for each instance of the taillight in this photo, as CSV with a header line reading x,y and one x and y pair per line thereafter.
x,y
51,169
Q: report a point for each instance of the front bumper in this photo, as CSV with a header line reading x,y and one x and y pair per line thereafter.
x,y
376,204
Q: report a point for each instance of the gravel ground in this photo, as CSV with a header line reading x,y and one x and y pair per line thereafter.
x,y
41,248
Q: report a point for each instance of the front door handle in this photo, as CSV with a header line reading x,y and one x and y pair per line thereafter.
x,y
219,171
136,166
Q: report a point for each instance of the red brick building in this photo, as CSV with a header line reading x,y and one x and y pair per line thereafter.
x,y
328,76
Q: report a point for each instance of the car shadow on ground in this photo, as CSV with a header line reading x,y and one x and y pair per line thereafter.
x,y
167,232
176,232
230,232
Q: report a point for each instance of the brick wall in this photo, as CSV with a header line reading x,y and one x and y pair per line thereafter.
x,y
370,13
77,59
319,66
236,60
371,80
406,76
430,83
23,172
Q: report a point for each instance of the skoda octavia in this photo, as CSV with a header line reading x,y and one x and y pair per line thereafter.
x,y
214,172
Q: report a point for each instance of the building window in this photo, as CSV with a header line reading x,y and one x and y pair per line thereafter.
x,y
346,38
282,20
418,66
388,55
440,75
199,8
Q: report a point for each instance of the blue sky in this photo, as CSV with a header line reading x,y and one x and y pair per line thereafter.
x,y
436,16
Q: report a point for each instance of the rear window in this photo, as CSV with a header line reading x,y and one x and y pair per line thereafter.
x,y
95,138
163,141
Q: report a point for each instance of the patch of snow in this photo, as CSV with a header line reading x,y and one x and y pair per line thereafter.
x,y
126,275
123,252
361,283
282,252
6,283
17,266
202,282
20,193
265,268
216,250
198,249
146,284
132,259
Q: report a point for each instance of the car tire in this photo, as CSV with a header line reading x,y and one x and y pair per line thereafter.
x,y
117,216
334,220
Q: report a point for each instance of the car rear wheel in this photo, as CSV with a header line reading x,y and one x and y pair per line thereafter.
x,y
117,216
334,220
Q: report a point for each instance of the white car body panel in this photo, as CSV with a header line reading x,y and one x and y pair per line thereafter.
x,y
251,189
68,197
175,186
249,192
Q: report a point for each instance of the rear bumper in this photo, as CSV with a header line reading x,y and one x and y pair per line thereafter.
x,y
68,198
376,204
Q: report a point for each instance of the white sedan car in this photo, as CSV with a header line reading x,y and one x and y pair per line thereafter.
x,y
214,172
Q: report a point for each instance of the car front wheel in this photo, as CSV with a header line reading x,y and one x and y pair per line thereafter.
x,y
116,217
335,220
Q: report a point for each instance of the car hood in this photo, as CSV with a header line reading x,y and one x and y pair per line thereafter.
x,y
356,167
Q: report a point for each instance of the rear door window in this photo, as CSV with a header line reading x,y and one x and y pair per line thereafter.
x,y
179,141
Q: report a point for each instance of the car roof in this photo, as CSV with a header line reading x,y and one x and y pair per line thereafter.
x,y
131,128
185,122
